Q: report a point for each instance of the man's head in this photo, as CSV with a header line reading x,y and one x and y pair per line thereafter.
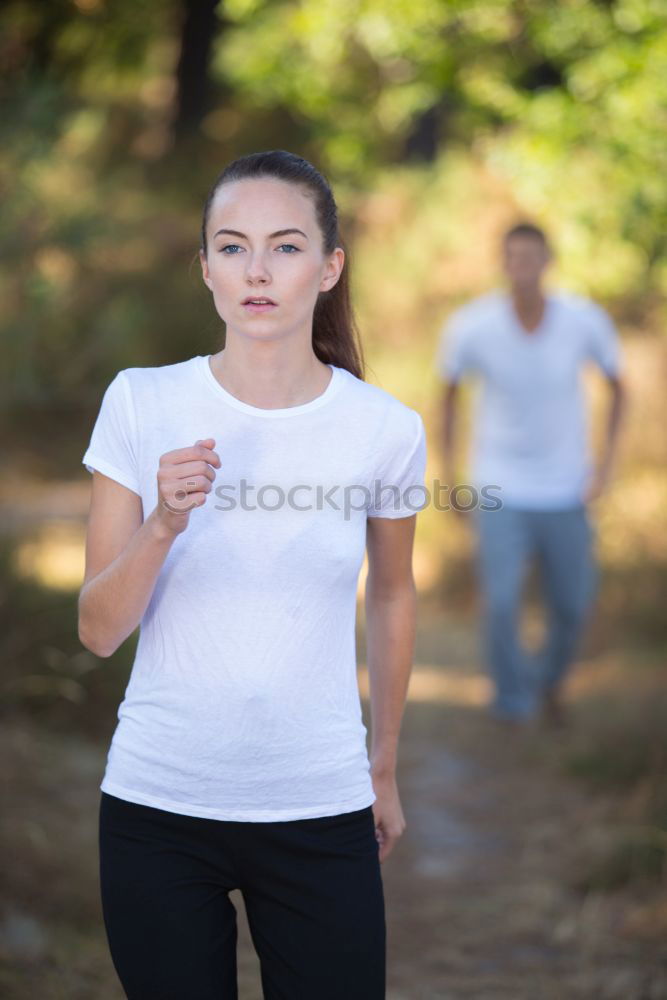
x,y
526,255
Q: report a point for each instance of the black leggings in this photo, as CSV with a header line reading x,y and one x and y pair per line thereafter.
x,y
312,890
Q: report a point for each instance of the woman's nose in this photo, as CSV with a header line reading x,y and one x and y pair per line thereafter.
x,y
257,269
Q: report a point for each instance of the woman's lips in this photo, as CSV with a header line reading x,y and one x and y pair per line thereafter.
x,y
258,307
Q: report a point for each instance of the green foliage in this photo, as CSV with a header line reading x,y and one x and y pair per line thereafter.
x,y
449,109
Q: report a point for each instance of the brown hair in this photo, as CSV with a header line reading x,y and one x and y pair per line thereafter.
x,y
336,338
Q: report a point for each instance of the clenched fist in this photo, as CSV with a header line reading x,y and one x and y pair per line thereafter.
x,y
184,479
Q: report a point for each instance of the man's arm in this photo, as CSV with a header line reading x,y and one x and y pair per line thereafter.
x,y
450,397
449,432
615,416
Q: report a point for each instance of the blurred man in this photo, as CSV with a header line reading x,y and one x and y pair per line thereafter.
x,y
527,346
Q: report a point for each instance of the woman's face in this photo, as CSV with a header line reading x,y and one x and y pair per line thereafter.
x,y
264,243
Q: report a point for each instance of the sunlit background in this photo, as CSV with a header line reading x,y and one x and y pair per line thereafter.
x,y
439,124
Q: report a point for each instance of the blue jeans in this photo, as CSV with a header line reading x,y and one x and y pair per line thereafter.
x,y
508,539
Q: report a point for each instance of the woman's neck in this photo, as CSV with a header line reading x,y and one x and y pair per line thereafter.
x,y
265,379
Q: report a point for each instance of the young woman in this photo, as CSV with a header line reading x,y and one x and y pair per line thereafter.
x,y
234,495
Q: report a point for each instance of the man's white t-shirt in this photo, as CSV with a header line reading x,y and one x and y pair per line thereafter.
x,y
530,433
243,702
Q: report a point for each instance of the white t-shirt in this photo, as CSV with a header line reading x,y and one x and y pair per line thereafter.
x,y
243,701
530,433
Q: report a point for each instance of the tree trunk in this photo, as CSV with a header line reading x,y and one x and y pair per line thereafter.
x,y
199,28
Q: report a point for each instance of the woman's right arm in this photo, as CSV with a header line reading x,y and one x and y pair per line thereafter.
x,y
124,554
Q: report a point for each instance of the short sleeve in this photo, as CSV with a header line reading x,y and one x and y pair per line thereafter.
x,y
112,449
603,341
399,490
453,354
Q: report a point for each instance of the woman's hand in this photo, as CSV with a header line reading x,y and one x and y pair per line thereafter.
x,y
387,812
184,479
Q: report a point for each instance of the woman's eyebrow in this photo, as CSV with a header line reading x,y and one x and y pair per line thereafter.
x,y
279,232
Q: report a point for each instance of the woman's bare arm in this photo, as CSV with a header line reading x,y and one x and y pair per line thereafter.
x,y
391,611
124,554
123,560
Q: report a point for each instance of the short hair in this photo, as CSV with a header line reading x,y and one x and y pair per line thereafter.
x,y
527,229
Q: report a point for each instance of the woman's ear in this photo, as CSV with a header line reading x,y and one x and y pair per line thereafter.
x,y
333,269
204,266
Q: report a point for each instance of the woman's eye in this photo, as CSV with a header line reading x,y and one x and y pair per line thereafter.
x,y
231,247
289,247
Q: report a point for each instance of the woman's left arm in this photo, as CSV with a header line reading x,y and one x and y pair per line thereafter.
x,y
391,614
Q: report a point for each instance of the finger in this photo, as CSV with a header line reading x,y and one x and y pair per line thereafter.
x,y
208,444
197,451
187,477
189,489
190,470
194,484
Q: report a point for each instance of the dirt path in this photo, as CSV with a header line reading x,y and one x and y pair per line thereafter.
x,y
480,892
480,888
